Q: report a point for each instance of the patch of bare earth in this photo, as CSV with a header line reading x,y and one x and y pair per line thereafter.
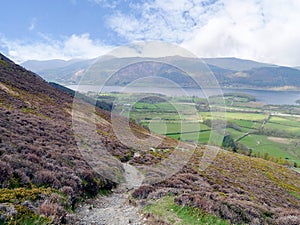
x,y
280,140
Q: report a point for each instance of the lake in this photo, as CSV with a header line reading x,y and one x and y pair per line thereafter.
x,y
265,96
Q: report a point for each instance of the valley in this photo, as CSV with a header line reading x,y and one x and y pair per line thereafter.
x,y
252,128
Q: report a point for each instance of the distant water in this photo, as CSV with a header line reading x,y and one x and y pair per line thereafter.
x,y
267,97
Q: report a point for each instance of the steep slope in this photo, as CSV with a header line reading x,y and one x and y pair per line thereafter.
x,y
38,149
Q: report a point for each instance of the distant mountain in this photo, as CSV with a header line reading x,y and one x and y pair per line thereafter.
x,y
230,72
60,71
277,78
235,63
37,65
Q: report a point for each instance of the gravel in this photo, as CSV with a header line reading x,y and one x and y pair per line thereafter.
x,y
114,209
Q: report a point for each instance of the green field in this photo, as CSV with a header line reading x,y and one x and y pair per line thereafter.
x,y
275,136
176,127
282,130
263,144
235,134
246,123
203,137
288,121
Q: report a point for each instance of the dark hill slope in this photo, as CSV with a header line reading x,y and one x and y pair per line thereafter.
x,y
38,149
263,77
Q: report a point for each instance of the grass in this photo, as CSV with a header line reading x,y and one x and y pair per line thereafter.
x,y
285,129
202,137
165,209
247,123
177,127
162,107
288,121
28,110
235,116
164,118
297,169
234,133
261,144
297,195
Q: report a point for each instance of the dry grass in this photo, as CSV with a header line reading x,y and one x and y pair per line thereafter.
x,y
280,140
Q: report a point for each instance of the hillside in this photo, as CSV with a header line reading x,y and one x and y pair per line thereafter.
x,y
43,171
38,148
230,72
236,64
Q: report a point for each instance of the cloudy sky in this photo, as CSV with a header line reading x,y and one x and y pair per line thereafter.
x,y
263,30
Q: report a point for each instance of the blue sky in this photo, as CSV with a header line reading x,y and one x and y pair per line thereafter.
x,y
263,30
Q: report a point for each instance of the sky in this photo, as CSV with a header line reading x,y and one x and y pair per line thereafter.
x,y
261,30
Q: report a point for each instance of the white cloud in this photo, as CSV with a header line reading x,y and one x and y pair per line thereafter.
x,y
161,20
264,30
32,24
106,3
75,46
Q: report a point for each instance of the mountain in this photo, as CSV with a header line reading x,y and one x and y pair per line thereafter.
x,y
60,71
235,64
230,72
37,65
50,163
264,77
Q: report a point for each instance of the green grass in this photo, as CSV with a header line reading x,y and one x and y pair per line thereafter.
x,y
28,110
284,130
203,137
247,123
261,144
163,107
150,115
165,209
234,133
288,121
176,126
297,195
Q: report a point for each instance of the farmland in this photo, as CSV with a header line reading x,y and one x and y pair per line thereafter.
x,y
252,128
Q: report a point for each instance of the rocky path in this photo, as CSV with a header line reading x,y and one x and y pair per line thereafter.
x,y
114,209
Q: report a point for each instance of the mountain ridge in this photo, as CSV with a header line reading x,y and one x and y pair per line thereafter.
x,y
230,72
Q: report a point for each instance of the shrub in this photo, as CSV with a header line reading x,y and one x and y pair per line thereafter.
x,y
288,220
52,210
142,192
46,178
5,174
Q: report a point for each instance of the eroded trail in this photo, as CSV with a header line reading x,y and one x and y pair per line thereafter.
x,y
115,208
